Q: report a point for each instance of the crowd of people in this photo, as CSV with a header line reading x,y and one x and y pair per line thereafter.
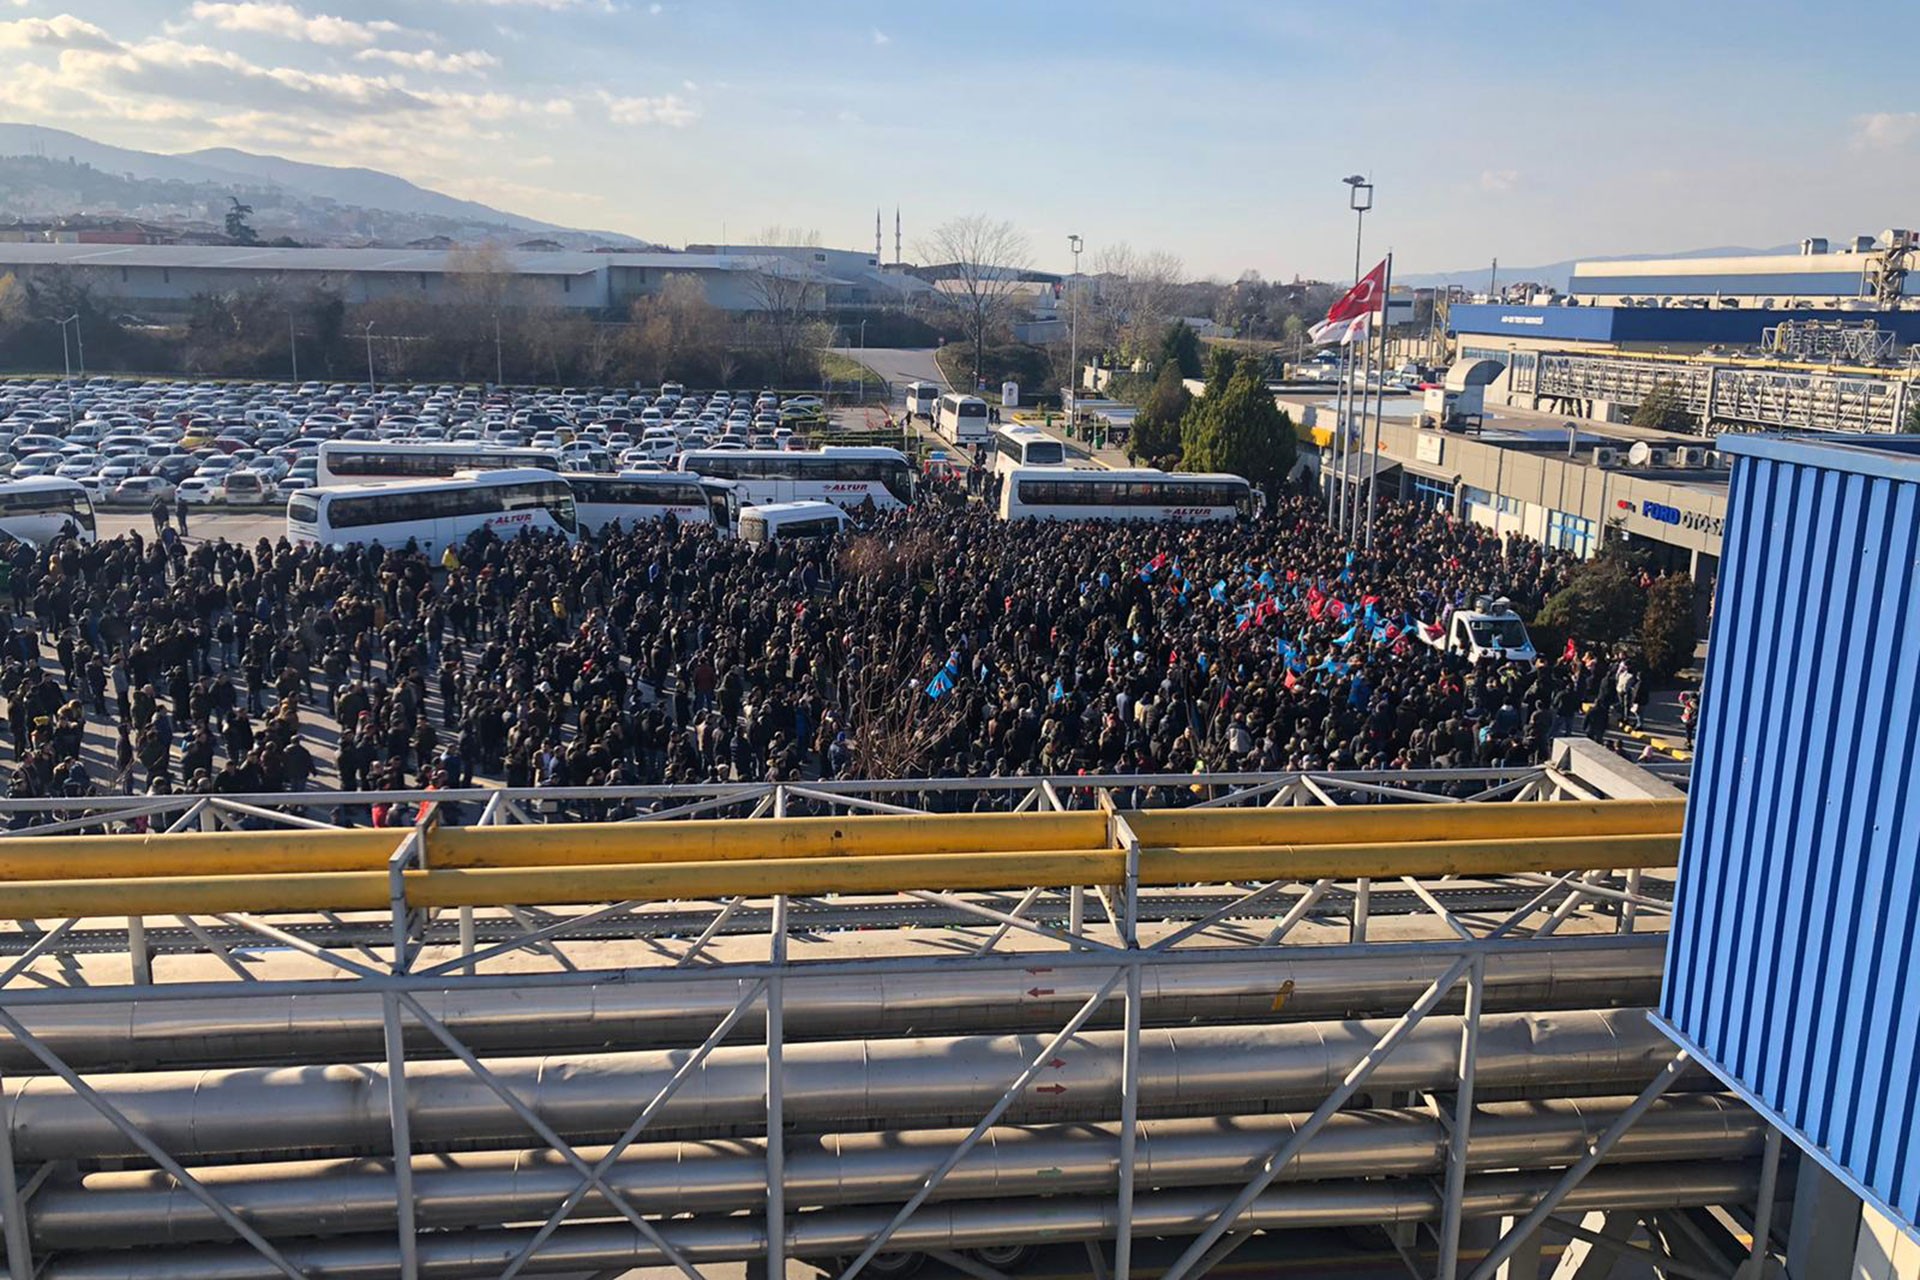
x,y
934,641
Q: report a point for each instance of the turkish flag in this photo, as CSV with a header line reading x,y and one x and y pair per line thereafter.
x,y
1347,318
1365,296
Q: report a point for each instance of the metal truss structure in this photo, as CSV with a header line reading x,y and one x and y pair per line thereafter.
x,y
1838,341
1724,396
843,1022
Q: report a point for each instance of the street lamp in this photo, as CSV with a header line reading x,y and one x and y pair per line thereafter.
x,y
1359,199
369,336
1074,243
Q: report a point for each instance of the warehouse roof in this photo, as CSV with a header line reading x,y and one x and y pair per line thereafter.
x,y
236,257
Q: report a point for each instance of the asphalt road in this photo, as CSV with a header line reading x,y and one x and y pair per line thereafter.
x,y
899,364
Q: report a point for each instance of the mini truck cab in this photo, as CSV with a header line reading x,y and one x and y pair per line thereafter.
x,y
1491,629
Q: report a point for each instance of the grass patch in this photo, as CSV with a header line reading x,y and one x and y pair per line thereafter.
x,y
844,369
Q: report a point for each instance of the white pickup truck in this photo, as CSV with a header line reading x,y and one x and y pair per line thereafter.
x,y
1491,629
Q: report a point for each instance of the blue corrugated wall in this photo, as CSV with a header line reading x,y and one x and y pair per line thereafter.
x,y
1792,966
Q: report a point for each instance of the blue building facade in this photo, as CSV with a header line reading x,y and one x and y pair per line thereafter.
x,y
1794,965
1651,326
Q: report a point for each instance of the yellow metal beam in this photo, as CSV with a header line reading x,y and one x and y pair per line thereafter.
x,y
887,873
1394,823
265,853
568,844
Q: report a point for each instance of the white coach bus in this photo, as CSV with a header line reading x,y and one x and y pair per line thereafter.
x,y
962,419
42,508
848,476
1015,447
1059,493
923,399
637,497
435,514
368,461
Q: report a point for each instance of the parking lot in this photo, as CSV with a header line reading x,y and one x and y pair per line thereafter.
x,y
129,442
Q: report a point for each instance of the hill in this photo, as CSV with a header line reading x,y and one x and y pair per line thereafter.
x,y
1558,273
51,173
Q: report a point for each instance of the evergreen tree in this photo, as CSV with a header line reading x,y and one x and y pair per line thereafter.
x,y
1667,630
238,230
1156,428
1663,410
1221,365
1180,347
1238,428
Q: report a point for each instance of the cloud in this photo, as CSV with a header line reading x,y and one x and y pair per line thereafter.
x,y
197,73
429,61
668,109
656,9
1499,180
552,6
1885,130
881,37
62,32
285,22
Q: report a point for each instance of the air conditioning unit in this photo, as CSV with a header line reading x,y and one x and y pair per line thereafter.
x,y
1607,459
1686,456
1659,459
1719,460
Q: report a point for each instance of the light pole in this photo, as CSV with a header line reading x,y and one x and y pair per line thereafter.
x,y
863,359
499,366
66,358
1359,199
293,348
369,336
1074,243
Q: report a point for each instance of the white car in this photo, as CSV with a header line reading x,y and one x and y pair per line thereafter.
x,y
142,489
200,491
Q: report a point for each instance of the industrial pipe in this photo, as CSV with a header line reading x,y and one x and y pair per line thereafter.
x,y
950,1225
342,1109
666,1009
143,1209
552,885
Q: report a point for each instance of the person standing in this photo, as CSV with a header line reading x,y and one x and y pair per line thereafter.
x,y
180,511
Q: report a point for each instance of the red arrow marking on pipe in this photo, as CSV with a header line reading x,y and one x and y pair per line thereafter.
x,y
1037,992
1058,1063
1051,1088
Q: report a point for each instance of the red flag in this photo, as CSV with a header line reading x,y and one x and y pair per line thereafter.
x,y
1289,681
1347,319
1573,651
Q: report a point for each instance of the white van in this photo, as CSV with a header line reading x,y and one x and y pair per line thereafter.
x,y
779,520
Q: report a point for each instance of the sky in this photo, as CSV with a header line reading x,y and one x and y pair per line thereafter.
x,y
1216,130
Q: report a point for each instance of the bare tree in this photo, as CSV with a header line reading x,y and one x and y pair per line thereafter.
x,y
787,295
984,261
1137,292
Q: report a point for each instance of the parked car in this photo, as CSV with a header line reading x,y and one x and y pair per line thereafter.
x,y
247,486
199,491
143,489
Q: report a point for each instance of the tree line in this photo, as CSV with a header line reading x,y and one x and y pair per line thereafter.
x,y
1234,425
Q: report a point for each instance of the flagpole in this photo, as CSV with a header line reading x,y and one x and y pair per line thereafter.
x,y
1333,441
1366,375
1380,404
1346,411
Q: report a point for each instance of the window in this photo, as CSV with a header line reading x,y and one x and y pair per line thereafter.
x,y
1568,532
303,507
1432,493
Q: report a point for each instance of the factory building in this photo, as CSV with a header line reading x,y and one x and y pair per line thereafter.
x,y
166,278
